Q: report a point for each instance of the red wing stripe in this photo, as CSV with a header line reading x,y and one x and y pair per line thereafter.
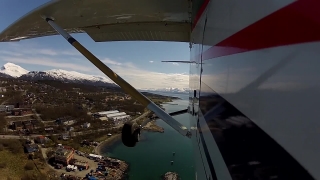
x,y
199,13
298,22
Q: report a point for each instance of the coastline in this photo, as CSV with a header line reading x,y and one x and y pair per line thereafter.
x,y
153,127
150,126
108,142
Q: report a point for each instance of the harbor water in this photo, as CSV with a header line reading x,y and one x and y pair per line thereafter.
x,y
152,156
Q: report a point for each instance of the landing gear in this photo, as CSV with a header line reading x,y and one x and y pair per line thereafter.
x,y
130,134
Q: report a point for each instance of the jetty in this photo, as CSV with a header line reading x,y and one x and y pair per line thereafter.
x,y
152,126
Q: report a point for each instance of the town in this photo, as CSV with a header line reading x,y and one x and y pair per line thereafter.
x,y
54,130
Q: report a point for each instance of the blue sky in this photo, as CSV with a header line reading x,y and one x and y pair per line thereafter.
x,y
137,62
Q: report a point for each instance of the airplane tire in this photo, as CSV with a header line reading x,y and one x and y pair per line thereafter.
x,y
130,134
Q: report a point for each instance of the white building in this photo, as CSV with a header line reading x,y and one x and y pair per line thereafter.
x,y
86,125
103,118
124,117
105,113
116,114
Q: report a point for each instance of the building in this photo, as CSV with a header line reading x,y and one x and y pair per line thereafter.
x,y
103,118
49,130
6,108
65,120
27,124
81,164
65,136
18,125
86,125
41,139
105,113
124,117
69,128
21,111
64,155
116,114
3,89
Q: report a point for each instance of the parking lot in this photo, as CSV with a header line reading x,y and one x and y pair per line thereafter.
x,y
92,165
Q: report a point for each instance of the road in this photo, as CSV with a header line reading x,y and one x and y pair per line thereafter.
x,y
72,133
18,137
142,116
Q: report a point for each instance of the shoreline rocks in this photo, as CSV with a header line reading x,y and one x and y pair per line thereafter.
x,y
152,126
171,176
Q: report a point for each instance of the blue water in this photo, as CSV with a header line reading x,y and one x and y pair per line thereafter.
x,y
152,155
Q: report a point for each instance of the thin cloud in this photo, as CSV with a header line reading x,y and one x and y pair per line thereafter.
x,y
141,78
108,61
176,64
47,57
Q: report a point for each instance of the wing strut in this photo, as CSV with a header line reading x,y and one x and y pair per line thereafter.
x,y
121,82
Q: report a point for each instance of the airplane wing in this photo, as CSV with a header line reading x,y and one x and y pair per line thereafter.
x,y
148,20
112,20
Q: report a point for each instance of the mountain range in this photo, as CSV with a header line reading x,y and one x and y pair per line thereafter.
x,y
15,71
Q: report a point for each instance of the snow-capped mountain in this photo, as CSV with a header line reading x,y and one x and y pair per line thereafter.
x,y
59,74
68,76
13,70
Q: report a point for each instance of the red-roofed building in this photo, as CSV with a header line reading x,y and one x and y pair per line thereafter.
x,y
40,139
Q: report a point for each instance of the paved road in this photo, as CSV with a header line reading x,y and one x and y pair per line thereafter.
x,y
73,133
18,137
142,116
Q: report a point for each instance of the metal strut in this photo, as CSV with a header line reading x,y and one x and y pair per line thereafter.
x,y
121,82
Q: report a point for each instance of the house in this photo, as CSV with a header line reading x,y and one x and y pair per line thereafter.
x,y
28,125
49,130
41,139
103,118
81,164
70,128
4,108
21,111
35,123
64,120
29,148
18,125
65,136
64,155
86,125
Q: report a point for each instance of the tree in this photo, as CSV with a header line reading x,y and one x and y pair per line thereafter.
x,y
3,123
29,165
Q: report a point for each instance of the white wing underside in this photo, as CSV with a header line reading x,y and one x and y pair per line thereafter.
x,y
107,20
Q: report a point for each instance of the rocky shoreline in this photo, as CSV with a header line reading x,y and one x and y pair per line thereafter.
x,y
152,126
171,176
108,142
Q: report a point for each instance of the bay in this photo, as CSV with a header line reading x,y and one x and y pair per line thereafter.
x,y
152,156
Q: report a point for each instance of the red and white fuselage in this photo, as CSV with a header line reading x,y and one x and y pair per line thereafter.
x,y
257,86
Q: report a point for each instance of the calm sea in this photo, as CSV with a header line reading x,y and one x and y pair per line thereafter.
x,y
152,157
